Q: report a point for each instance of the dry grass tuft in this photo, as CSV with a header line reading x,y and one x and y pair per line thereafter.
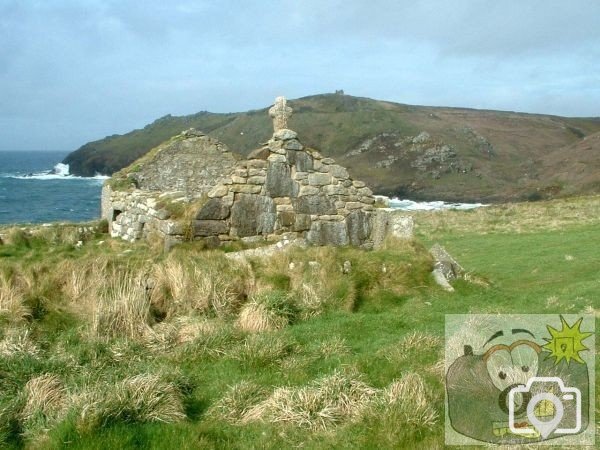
x,y
182,330
238,401
161,337
263,349
335,346
438,368
174,290
207,286
122,309
255,317
212,339
80,280
191,328
266,312
45,403
326,402
18,341
409,399
59,234
411,345
12,308
16,236
142,398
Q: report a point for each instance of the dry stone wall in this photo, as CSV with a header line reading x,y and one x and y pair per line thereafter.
x,y
138,214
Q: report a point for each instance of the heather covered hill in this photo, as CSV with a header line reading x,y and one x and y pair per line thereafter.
x,y
414,151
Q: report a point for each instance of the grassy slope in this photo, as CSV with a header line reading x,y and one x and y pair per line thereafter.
x,y
539,258
337,124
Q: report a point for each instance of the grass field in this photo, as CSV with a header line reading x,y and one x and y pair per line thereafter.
x,y
118,346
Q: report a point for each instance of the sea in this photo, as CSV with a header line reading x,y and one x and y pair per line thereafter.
x,y
35,187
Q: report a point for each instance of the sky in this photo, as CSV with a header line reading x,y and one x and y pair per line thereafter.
x,y
72,71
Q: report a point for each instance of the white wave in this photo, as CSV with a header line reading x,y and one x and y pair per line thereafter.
x,y
61,169
59,172
410,205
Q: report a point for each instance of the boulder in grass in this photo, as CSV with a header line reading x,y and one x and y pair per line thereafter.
x,y
445,267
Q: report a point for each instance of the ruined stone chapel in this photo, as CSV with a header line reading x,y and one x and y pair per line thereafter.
x,y
281,190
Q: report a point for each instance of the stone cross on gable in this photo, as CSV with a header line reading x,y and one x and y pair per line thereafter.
x,y
280,113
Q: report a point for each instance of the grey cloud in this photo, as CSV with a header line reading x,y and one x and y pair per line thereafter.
x,y
88,68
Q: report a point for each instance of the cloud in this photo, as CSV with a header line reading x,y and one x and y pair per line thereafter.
x,y
76,70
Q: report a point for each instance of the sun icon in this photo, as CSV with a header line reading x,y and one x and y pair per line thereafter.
x,y
566,343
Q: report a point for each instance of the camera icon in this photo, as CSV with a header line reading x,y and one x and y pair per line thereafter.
x,y
554,402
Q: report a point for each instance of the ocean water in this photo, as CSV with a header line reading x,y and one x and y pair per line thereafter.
x,y
36,188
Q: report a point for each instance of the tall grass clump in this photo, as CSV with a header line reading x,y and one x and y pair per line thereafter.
x,y
137,399
312,276
12,307
81,279
237,402
46,402
262,350
408,402
325,402
411,346
16,237
267,311
17,340
186,283
122,308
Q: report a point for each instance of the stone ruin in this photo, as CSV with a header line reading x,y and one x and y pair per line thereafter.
x,y
283,190
136,200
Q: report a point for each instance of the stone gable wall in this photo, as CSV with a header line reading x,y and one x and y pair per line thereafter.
x,y
285,189
191,163
180,170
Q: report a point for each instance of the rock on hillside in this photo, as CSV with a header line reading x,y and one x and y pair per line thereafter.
x,y
414,151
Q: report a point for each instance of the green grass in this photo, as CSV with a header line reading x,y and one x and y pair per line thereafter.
x,y
370,327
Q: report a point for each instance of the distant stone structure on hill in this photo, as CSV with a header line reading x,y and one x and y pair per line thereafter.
x,y
193,188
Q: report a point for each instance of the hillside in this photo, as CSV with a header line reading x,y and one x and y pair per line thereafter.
x,y
413,151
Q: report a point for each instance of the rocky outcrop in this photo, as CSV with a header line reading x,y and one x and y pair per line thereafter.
x,y
428,156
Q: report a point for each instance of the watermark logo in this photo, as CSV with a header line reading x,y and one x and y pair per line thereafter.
x,y
520,379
